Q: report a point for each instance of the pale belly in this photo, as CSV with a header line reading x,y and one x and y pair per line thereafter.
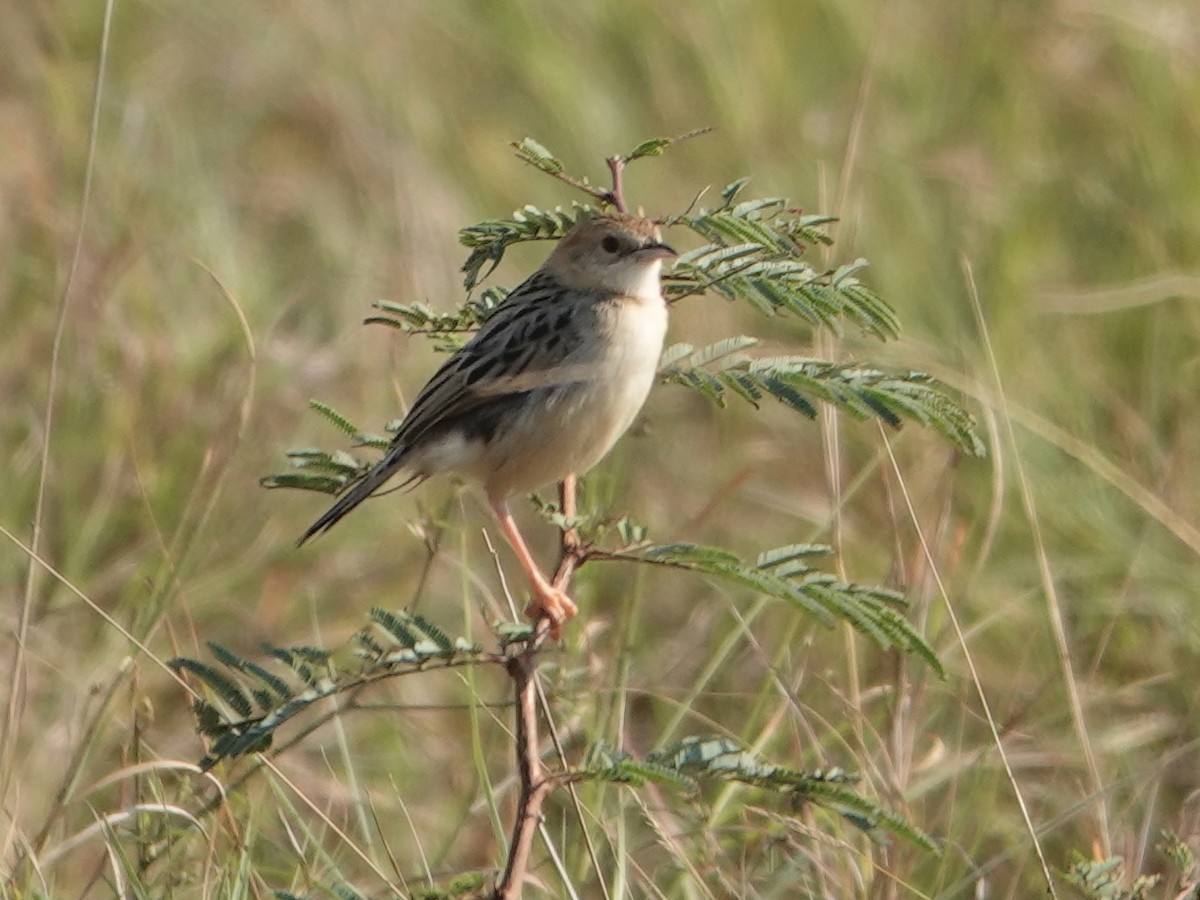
x,y
568,429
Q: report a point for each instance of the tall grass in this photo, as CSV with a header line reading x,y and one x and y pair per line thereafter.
x,y
263,173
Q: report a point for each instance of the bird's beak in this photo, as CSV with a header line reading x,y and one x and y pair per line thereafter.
x,y
655,250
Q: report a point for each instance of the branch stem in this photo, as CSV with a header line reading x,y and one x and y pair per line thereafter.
x,y
535,786
616,165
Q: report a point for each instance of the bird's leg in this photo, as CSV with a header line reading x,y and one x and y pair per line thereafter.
x,y
548,601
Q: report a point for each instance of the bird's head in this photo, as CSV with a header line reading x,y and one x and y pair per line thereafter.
x,y
616,252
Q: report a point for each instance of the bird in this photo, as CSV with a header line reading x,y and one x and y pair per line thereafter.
x,y
544,389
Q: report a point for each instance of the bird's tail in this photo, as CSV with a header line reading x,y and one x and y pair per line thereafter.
x,y
371,482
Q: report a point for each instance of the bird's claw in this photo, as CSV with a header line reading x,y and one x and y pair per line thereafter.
x,y
551,605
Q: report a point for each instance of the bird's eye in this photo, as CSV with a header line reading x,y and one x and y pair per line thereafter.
x,y
610,244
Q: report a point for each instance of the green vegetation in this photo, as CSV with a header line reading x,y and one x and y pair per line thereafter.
x,y
1021,178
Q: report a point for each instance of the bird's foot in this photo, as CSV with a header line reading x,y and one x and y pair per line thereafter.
x,y
551,604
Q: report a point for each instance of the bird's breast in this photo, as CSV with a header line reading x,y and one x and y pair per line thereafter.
x,y
570,428
637,326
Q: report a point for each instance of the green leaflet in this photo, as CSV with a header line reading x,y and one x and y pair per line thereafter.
x,y
782,573
798,382
699,759
399,642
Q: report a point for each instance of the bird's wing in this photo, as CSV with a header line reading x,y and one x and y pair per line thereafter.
x,y
529,342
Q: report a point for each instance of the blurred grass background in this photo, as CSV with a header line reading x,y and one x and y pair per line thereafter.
x,y
290,163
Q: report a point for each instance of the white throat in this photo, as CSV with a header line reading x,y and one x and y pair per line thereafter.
x,y
643,281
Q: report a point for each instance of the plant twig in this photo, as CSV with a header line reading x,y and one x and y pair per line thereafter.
x,y
566,503
616,165
569,552
579,184
522,667
534,785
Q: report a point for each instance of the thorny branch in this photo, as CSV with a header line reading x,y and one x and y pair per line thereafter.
x,y
614,196
534,785
616,165
521,668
